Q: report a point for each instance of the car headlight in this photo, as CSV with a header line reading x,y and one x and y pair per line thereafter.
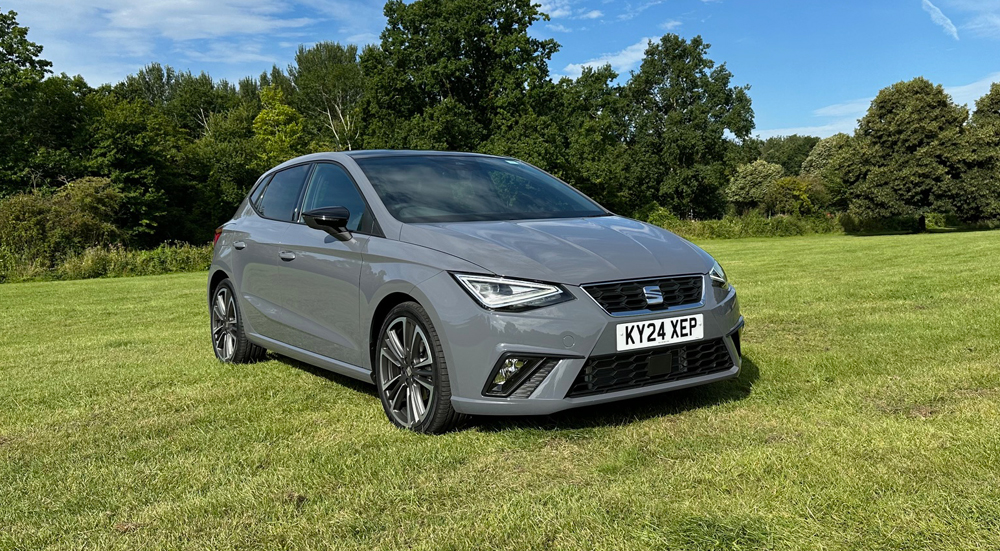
x,y
718,276
500,293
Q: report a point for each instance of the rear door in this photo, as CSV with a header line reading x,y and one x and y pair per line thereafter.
x,y
321,275
256,248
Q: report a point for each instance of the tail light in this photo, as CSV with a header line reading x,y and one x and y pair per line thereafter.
x,y
218,232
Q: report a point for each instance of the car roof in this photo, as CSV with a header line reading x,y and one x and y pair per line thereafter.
x,y
374,153
367,153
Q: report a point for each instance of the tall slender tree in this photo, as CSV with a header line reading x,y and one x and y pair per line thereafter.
x,y
328,86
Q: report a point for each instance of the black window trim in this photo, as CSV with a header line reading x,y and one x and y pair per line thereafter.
x,y
262,185
376,227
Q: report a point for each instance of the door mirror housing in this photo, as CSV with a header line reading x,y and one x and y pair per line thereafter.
x,y
332,220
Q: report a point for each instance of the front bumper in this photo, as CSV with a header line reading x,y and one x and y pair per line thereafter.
x,y
474,339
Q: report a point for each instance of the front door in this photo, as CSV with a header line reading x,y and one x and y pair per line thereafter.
x,y
320,293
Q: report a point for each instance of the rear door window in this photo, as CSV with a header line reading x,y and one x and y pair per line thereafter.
x,y
281,197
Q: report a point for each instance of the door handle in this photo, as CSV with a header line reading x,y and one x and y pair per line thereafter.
x,y
286,255
239,245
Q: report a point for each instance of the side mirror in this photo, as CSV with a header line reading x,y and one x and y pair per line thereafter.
x,y
332,220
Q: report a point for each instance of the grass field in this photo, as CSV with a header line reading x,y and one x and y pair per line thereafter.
x,y
866,417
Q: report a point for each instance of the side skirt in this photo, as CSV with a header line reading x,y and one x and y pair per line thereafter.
x,y
311,358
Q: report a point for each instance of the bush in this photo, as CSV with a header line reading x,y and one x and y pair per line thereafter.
x,y
753,224
120,262
112,261
42,230
855,224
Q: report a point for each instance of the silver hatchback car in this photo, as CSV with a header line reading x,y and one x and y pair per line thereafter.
x,y
465,284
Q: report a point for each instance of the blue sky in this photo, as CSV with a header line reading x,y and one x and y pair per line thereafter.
x,y
813,66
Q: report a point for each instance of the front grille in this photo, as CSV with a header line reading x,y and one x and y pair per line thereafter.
x,y
628,296
626,370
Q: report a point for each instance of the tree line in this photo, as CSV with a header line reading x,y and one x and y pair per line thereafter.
x,y
166,155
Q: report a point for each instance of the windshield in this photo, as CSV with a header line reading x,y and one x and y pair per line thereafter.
x,y
445,188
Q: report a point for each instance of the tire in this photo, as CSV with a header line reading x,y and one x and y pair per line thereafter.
x,y
410,373
229,340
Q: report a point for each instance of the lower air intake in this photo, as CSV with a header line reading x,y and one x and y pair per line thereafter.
x,y
627,370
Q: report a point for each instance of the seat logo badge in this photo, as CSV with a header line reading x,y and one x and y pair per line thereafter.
x,y
654,296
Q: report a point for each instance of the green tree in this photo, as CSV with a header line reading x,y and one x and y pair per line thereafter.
x,y
988,107
187,99
591,121
788,151
982,195
826,163
19,61
749,187
22,99
680,106
451,73
139,149
911,151
789,195
277,129
229,154
43,134
328,86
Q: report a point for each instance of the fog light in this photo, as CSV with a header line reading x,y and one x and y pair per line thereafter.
x,y
510,372
510,368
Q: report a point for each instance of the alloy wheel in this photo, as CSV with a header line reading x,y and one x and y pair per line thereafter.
x,y
224,324
406,369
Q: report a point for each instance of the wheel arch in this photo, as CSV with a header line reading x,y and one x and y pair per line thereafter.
x,y
213,281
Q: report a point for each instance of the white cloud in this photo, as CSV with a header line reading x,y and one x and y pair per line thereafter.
x,y
592,14
230,52
967,94
559,28
622,61
851,108
823,131
104,40
940,19
362,39
986,25
632,11
556,8
170,19
670,25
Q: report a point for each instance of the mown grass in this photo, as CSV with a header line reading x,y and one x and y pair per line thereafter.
x,y
866,418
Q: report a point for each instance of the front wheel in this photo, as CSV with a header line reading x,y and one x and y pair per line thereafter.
x,y
229,340
410,372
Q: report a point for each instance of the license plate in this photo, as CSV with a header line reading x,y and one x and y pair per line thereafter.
x,y
661,332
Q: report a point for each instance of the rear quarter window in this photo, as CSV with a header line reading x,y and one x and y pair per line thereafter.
x,y
280,198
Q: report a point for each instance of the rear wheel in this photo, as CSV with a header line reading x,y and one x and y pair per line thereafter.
x,y
410,372
229,340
